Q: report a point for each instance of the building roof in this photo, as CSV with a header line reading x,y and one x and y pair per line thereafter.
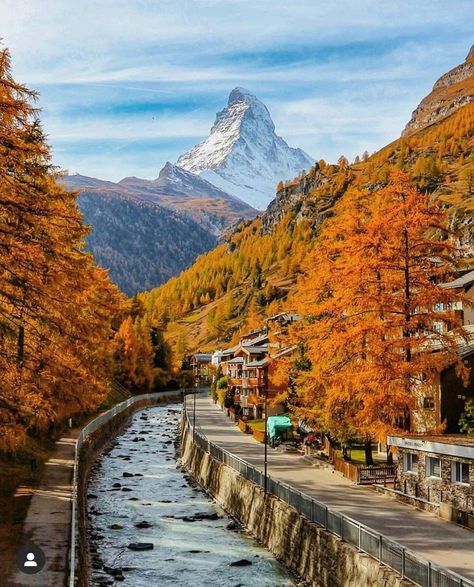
x,y
467,349
230,350
254,333
256,350
236,360
463,281
456,445
256,341
282,352
202,357
260,363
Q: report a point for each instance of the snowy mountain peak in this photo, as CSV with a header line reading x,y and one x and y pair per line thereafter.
x,y
242,154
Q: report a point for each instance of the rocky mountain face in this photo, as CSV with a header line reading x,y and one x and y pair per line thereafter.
x,y
141,243
452,91
242,154
176,188
145,232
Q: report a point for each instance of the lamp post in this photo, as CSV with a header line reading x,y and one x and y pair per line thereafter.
x,y
194,411
265,463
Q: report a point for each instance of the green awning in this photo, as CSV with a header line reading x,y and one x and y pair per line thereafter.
x,y
277,426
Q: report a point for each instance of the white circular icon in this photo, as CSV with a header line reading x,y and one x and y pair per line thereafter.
x,y
30,560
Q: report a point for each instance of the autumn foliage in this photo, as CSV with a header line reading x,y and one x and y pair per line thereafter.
x,y
439,160
377,328
55,303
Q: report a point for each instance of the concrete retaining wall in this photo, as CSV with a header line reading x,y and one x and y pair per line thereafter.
x,y
316,555
91,448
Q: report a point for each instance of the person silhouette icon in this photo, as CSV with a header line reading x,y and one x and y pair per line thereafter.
x,y
30,562
30,559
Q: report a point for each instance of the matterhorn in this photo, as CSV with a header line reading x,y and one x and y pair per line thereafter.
x,y
243,155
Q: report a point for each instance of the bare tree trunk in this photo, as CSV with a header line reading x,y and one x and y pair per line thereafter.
x,y
369,460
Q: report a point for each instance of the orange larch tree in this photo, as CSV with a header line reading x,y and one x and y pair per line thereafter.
x,y
56,306
377,326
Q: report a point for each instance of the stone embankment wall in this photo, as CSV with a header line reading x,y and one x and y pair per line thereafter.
x,y
90,450
313,553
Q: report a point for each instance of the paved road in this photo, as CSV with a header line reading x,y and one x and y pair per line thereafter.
x,y
442,542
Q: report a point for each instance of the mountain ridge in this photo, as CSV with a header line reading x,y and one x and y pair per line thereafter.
x,y
242,154
450,92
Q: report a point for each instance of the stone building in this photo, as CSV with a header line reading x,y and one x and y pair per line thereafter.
x,y
438,469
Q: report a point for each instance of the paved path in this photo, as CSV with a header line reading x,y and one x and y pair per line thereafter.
x,y
48,522
442,542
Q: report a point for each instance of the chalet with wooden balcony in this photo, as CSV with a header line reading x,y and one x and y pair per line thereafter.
x,y
200,364
442,403
250,364
464,284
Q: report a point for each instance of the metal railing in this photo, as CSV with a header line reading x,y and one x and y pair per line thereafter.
x,y
87,431
386,551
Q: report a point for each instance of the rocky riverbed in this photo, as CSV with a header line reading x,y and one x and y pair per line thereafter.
x,y
150,525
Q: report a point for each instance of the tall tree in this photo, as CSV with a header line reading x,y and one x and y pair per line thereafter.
x,y
374,312
55,304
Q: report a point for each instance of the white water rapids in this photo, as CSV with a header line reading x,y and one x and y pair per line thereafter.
x,y
156,494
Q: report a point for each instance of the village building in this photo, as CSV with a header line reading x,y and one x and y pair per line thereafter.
x,y
249,367
442,404
201,367
438,469
216,358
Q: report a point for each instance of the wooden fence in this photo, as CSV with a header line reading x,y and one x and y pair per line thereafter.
x,y
381,474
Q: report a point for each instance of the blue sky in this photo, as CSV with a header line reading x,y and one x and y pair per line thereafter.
x,y
128,84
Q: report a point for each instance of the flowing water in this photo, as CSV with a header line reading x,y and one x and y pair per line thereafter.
x,y
156,494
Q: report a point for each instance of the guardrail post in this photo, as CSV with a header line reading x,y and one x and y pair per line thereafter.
x,y
403,563
429,574
342,527
326,518
359,542
380,548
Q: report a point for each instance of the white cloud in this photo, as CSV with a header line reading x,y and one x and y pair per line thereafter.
x,y
334,95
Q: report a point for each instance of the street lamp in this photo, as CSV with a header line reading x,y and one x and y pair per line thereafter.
x,y
265,464
194,411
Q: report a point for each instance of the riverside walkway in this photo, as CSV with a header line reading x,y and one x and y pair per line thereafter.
x,y
442,542
48,522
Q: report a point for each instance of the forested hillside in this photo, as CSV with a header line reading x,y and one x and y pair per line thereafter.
x,y
249,276
142,244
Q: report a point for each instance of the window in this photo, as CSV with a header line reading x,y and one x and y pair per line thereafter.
x,y
460,473
428,403
433,467
411,463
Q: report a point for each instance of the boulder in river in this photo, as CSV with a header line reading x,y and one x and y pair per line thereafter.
x,y
125,474
143,524
116,527
140,546
241,563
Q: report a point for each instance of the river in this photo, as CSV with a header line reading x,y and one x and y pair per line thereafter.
x,y
136,481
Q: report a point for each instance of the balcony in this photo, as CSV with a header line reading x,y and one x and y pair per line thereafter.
x,y
234,381
256,382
